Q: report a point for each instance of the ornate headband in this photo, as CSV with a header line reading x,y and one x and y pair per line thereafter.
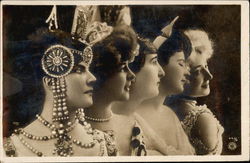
x,y
58,60
166,33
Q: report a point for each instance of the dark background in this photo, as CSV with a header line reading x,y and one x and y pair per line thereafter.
x,y
222,22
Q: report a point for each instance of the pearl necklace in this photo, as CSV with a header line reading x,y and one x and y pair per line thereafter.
x,y
98,119
60,133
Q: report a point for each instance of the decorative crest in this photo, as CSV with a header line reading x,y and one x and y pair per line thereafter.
x,y
52,19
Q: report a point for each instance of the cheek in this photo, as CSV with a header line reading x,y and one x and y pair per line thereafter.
x,y
75,87
195,82
117,83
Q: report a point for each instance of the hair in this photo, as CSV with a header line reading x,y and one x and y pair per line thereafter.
x,y
177,42
202,37
26,67
146,47
109,53
43,39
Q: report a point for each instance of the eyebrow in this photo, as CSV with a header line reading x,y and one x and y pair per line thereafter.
x,y
181,59
81,65
153,58
197,66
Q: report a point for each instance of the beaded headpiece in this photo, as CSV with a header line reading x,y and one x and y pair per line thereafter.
x,y
58,61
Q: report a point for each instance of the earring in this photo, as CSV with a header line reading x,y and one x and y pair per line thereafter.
x,y
60,110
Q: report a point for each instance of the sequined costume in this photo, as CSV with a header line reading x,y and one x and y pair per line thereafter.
x,y
189,122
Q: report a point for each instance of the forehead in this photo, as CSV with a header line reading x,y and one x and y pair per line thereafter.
x,y
200,41
150,56
178,56
195,60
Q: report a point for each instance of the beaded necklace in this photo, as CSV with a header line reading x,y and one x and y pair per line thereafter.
x,y
64,141
98,119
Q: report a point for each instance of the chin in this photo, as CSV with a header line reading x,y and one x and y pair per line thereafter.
x,y
179,90
87,102
124,97
153,94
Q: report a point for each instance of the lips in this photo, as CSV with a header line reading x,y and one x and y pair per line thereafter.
x,y
205,85
127,88
90,92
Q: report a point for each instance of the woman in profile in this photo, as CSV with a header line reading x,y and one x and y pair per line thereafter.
x,y
148,74
172,53
110,66
60,129
201,126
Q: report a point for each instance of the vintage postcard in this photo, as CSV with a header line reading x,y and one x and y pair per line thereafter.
x,y
124,81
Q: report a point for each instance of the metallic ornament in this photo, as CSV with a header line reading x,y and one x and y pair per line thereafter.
x,y
58,61
87,56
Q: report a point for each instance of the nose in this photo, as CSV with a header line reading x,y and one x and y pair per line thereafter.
x,y
130,76
91,78
161,71
187,72
209,76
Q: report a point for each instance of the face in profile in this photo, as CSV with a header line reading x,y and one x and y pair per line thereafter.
x,y
200,75
175,74
118,85
147,79
79,87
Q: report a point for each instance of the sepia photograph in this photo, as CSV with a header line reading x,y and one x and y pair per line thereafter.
x,y
124,81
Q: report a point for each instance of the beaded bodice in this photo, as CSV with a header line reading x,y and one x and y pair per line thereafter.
x,y
189,122
111,143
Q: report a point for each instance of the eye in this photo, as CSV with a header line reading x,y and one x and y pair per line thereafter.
x,y
122,68
196,72
155,61
198,50
182,64
79,69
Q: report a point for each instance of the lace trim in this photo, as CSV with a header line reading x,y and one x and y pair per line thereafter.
x,y
188,123
9,148
111,143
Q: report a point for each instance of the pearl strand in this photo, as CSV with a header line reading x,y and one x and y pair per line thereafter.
x,y
99,119
32,149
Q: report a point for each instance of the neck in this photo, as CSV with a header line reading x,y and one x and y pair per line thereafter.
x,y
156,102
101,107
127,108
48,110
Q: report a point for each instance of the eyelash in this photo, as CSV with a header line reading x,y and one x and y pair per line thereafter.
x,y
79,69
122,69
181,64
155,62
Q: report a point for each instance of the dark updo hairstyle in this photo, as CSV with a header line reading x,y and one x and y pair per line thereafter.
x,y
111,52
177,42
146,47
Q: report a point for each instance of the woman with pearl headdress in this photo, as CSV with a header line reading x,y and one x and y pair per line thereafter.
x,y
60,129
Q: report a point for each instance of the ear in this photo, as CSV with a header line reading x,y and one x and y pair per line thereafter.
x,y
47,83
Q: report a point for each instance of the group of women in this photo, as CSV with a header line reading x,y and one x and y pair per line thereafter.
x,y
106,90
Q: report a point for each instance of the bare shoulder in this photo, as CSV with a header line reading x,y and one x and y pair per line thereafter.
x,y
207,130
206,121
